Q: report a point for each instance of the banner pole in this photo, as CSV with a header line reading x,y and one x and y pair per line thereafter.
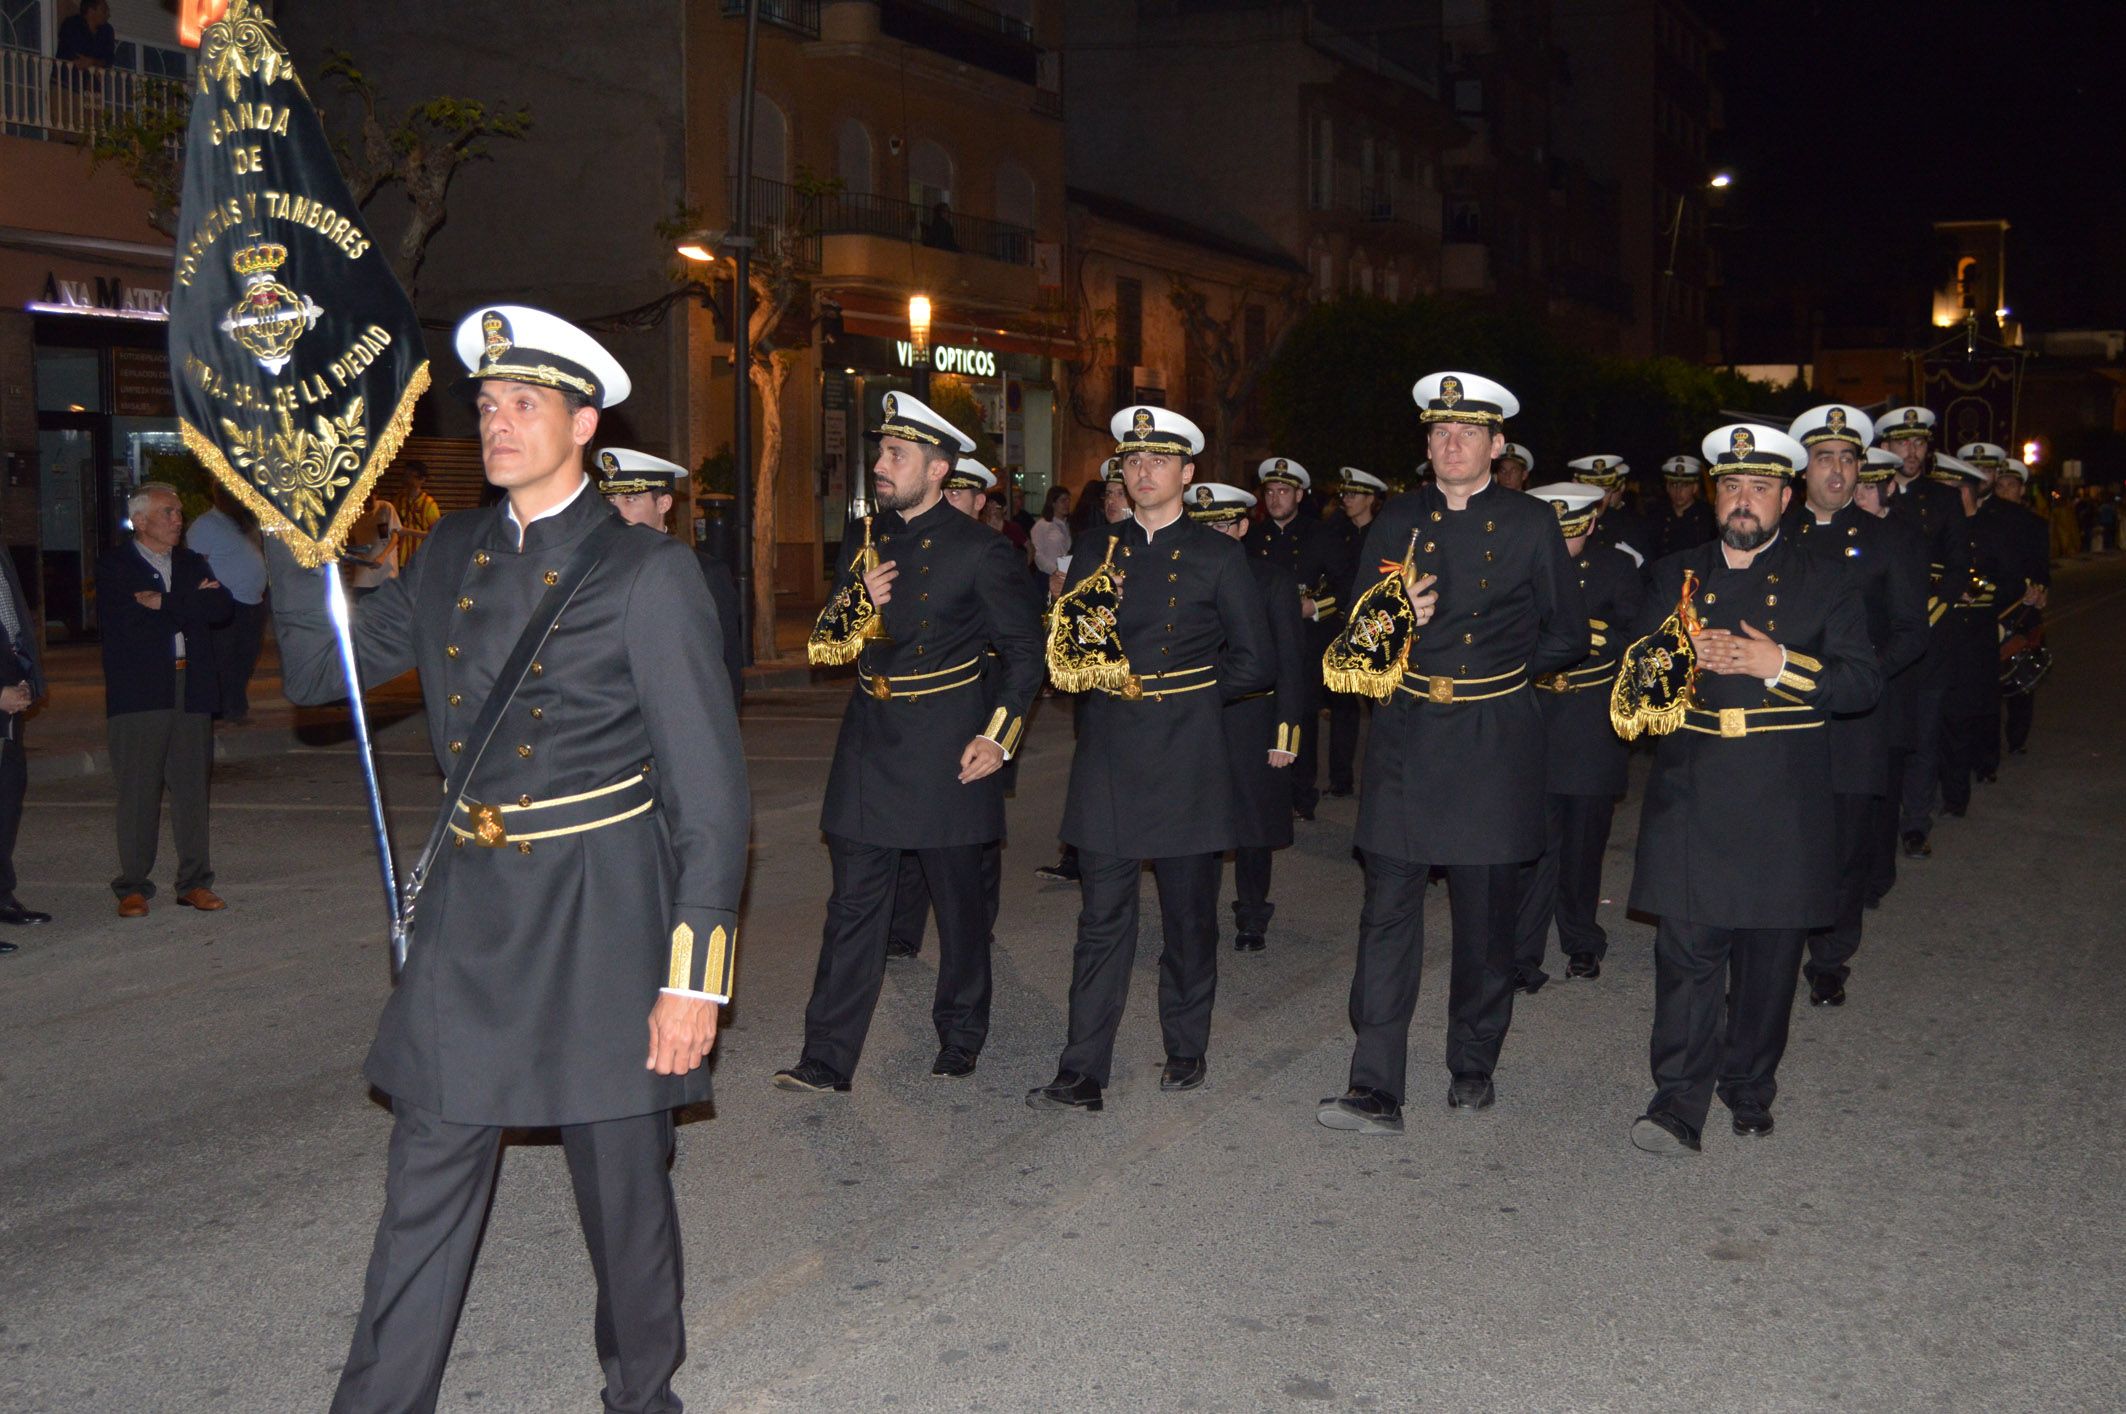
x,y
340,611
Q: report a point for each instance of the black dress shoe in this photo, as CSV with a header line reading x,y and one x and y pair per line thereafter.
x,y
1339,793
900,949
1530,982
1361,1110
1068,1091
1303,812
1955,812
12,911
1471,1093
1987,778
815,1076
1182,1073
1826,990
1662,1133
1249,942
1062,872
1916,846
953,1062
1584,964
6,948
1753,1123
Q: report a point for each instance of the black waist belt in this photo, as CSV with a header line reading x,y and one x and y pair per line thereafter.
x,y
1157,687
1256,696
1579,679
909,686
495,824
1746,721
1444,689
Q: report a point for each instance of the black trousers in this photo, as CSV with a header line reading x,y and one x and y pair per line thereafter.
x,y
236,647
1986,742
1344,714
1831,949
14,787
1391,952
1107,949
1252,908
1922,776
911,896
1704,976
1962,750
152,752
852,949
2018,711
1566,883
438,1184
1882,833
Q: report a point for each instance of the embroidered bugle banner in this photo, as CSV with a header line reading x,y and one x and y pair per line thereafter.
x,y
296,355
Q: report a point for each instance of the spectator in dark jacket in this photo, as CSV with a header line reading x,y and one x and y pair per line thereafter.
x,y
21,685
159,605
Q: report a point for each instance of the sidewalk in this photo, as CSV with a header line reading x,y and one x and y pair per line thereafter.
x,y
66,735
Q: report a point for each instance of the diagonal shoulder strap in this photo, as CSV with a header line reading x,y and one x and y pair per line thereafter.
x,y
514,671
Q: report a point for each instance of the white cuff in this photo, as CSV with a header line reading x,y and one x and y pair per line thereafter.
x,y
1773,680
697,996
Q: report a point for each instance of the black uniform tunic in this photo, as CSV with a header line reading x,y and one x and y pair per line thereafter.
x,y
1673,534
958,594
1736,831
533,966
1892,583
1937,513
1583,754
1974,671
1621,525
1149,779
1262,722
1461,782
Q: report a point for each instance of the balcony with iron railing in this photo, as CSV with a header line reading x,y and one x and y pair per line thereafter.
x,y
45,99
797,218
801,16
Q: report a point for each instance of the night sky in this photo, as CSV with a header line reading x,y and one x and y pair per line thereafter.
x,y
1853,126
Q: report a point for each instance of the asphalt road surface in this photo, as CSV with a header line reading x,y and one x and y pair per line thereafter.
x,y
191,1166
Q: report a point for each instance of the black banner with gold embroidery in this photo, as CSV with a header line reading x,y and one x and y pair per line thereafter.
x,y
296,355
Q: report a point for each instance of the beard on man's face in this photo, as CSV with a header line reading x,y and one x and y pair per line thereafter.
x,y
886,498
1743,531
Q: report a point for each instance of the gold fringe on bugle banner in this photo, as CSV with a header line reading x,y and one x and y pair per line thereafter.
x,y
1372,652
850,617
1657,676
1084,645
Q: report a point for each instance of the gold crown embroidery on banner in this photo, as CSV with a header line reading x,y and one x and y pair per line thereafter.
x,y
259,259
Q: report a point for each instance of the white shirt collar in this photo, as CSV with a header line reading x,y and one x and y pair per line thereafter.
x,y
510,510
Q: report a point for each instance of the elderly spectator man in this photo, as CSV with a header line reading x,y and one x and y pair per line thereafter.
x,y
21,685
160,605
223,533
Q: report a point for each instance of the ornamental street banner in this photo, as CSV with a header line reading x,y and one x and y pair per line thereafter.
x,y
295,354
1973,397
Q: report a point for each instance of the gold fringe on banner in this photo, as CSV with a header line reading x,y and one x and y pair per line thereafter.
x,y
1658,675
1372,652
294,451
1084,643
850,617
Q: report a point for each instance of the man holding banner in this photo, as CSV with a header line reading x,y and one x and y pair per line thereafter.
x,y
582,883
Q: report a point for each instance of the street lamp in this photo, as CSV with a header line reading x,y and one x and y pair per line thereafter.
x,y
702,247
1719,181
919,343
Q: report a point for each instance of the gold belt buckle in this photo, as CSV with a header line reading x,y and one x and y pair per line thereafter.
x,y
487,827
1734,722
1558,683
1439,689
881,690
1133,688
